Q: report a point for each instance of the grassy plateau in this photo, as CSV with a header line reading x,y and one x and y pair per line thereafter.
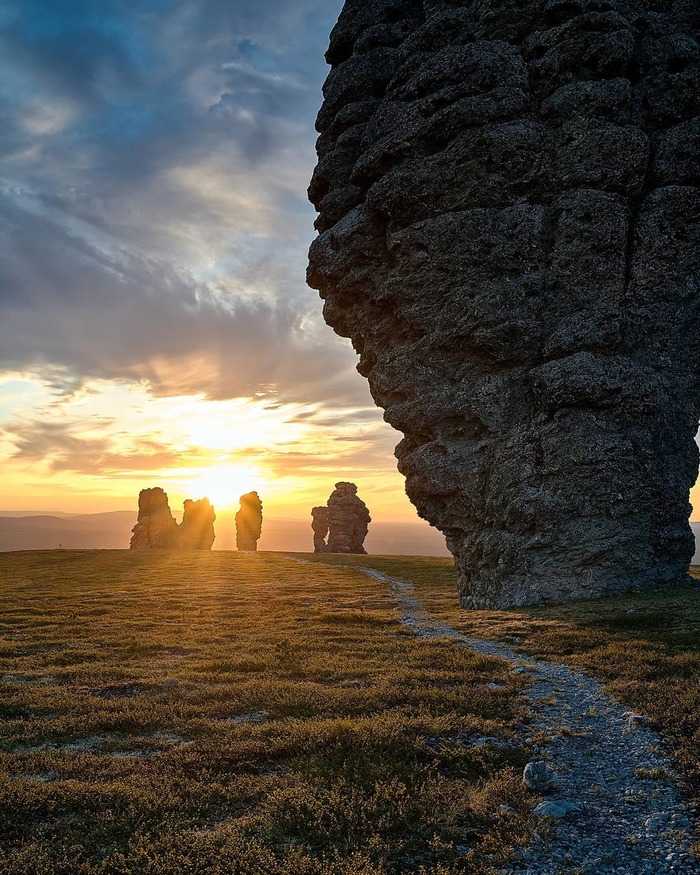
x,y
246,713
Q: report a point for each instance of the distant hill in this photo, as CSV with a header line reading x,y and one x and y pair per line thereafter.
x,y
112,531
105,531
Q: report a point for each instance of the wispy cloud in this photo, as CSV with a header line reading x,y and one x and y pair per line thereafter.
x,y
154,213
155,225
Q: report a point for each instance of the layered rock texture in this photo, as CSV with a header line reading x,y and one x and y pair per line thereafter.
x,y
509,228
345,521
157,529
249,522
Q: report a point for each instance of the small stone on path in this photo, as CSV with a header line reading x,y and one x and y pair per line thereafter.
x,y
556,808
538,776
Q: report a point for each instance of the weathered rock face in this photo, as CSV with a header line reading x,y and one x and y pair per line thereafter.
x,y
157,529
346,520
319,524
197,527
509,234
249,522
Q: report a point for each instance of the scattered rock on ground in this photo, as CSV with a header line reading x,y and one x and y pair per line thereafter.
x,y
633,818
556,808
539,777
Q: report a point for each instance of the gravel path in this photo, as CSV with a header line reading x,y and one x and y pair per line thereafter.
x,y
628,816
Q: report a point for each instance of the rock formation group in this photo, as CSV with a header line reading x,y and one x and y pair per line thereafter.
x,y
157,529
249,522
509,232
341,526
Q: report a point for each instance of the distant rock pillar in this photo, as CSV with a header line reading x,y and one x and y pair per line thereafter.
x,y
319,524
345,520
348,520
156,527
249,522
197,528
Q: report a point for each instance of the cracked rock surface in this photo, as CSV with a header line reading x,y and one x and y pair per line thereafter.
x,y
509,229
157,529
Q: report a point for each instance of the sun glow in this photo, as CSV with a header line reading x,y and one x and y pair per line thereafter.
x,y
94,447
223,485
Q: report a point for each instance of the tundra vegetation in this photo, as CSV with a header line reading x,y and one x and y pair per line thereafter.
x,y
246,713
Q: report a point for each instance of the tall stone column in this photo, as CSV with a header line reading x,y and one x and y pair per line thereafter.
x,y
509,230
249,519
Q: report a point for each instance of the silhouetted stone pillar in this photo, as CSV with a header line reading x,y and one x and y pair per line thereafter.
x,y
249,522
345,520
156,528
319,524
197,527
509,233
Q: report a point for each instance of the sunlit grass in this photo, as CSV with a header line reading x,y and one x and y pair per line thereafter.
x,y
645,647
222,713
242,713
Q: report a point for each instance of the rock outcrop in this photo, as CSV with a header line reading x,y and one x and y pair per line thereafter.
x,y
509,233
249,522
197,527
157,529
345,520
319,525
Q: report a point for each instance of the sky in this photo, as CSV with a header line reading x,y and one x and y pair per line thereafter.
x,y
155,326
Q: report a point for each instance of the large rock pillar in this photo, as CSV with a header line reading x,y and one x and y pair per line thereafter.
x,y
509,228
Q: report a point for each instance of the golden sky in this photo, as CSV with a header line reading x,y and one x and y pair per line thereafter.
x,y
94,449
155,324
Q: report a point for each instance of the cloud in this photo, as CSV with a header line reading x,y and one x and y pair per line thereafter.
x,y
154,223
153,207
63,446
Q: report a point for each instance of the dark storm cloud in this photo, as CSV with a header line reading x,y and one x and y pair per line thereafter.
x,y
152,213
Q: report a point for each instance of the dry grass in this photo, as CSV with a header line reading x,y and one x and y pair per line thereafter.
x,y
226,713
645,647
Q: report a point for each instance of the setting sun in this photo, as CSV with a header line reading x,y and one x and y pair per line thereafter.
x,y
223,485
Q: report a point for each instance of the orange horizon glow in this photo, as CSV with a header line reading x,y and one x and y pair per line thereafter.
x,y
94,450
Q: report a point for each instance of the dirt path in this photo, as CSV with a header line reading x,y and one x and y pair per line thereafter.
x,y
628,816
